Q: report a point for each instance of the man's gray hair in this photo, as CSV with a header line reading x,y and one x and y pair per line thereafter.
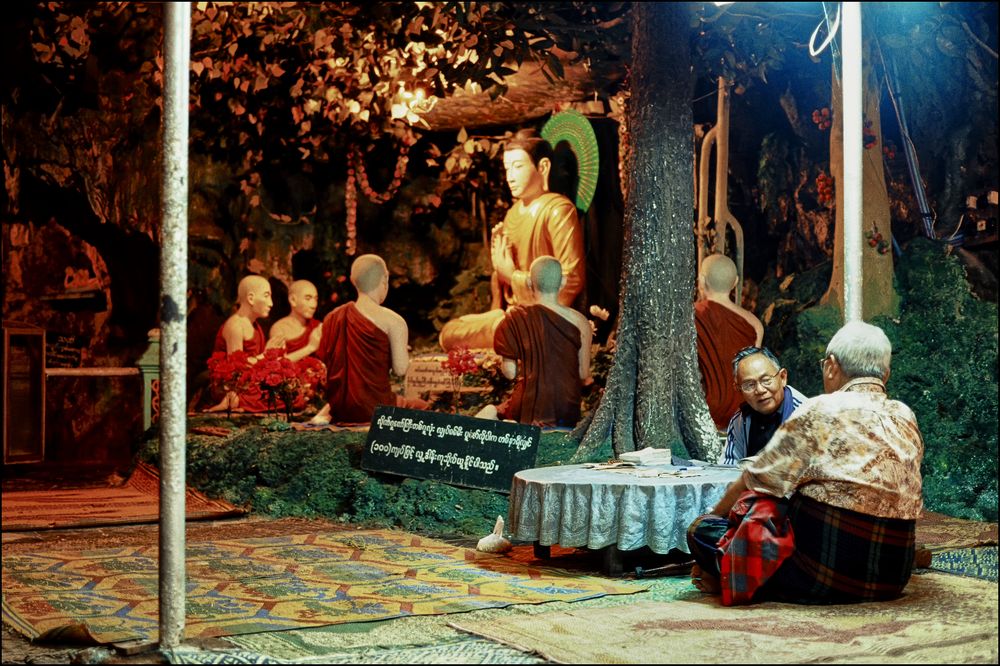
x,y
861,349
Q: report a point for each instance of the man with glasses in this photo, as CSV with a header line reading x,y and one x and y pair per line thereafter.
x,y
768,401
827,512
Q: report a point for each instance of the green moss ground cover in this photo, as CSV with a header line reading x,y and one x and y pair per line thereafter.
x,y
272,470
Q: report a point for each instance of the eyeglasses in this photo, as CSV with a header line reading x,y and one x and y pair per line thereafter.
x,y
822,364
767,381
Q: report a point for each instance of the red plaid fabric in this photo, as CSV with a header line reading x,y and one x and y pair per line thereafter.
x,y
759,539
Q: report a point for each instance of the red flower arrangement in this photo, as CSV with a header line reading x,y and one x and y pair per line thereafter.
x,y
276,376
459,363
229,371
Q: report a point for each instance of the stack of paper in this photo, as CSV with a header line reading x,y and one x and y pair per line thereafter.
x,y
648,456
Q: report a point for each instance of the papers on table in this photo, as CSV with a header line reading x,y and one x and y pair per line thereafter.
x,y
648,456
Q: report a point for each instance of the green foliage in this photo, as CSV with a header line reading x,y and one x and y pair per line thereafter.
x,y
794,328
945,368
600,364
814,328
290,77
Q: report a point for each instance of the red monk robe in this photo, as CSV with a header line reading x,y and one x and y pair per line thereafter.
x,y
721,333
358,358
298,343
548,388
251,400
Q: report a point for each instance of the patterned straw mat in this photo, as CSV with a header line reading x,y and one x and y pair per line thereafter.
x,y
275,583
462,649
134,501
428,636
941,619
936,532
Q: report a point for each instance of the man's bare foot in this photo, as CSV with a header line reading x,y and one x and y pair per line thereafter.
x,y
705,582
322,416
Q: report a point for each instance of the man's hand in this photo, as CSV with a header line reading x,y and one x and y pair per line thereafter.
x,y
315,337
502,257
277,341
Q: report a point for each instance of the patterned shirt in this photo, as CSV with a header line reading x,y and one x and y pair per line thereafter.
x,y
854,449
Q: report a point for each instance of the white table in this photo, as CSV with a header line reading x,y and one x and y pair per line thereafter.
x,y
615,510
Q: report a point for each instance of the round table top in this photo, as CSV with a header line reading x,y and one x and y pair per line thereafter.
x,y
649,505
650,475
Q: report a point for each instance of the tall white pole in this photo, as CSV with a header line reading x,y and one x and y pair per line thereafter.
x,y
173,319
853,110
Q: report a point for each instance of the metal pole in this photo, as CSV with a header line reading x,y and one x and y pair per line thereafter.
x,y
853,110
173,315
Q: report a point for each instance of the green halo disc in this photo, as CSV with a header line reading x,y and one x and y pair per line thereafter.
x,y
575,167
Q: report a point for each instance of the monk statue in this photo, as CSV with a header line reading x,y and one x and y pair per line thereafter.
x,y
242,332
723,328
360,342
551,344
299,330
539,223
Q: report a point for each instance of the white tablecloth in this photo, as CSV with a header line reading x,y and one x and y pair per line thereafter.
x,y
574,506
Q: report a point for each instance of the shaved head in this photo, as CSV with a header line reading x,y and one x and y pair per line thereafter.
x,y
367,272
301,288
546,274
251,284
303,298
718,273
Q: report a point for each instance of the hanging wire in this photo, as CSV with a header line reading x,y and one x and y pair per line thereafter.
x,y
927,212
830,40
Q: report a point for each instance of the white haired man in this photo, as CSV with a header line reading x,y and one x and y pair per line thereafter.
x,y
826,513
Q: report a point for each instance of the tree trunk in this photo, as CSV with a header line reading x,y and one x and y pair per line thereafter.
x,y
878,294
653,395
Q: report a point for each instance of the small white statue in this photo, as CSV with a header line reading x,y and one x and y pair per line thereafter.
x,y
494,542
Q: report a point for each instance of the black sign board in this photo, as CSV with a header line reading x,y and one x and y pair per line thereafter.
x,y
64,351
460,450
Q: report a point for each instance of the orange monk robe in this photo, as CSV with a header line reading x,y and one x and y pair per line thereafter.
x,y
721,333
358,358
548,388
251,399
298,343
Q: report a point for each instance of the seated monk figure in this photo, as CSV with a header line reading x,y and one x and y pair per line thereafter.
x,y
723,328
300,331
551,342
242,332
360,342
